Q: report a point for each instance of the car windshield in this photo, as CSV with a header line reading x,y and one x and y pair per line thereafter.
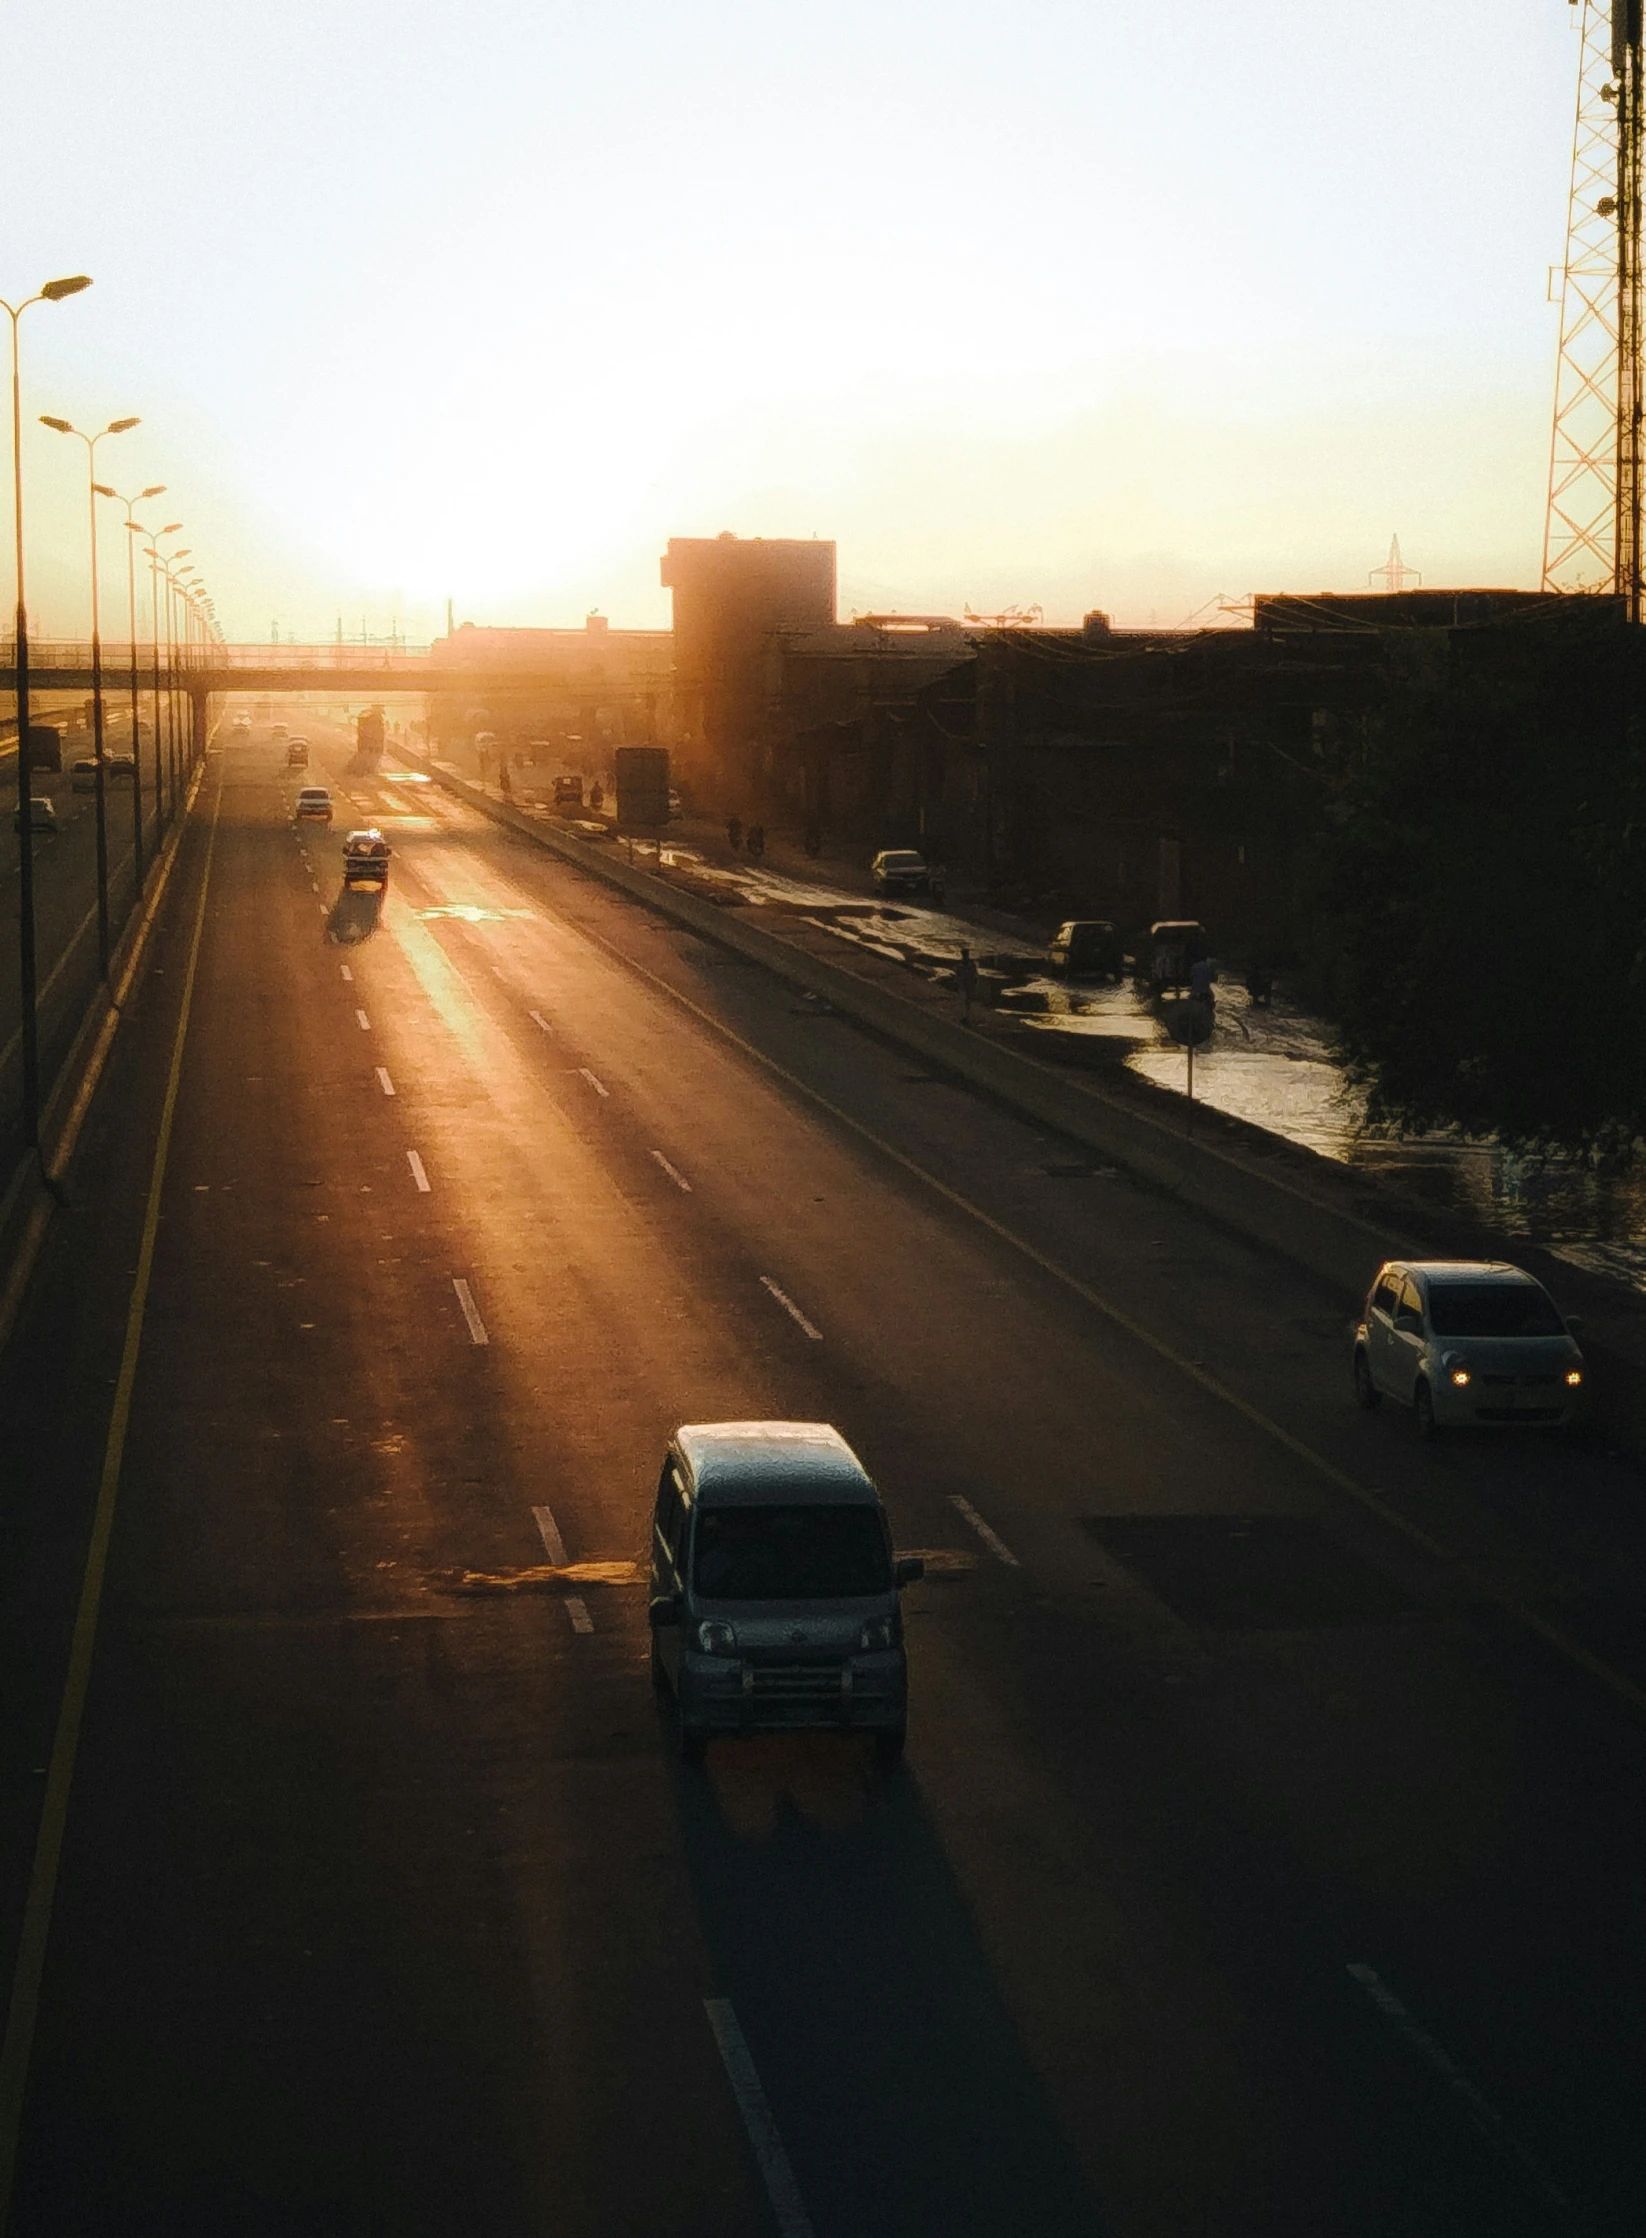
x,y
907,860
790,1553
1492,1309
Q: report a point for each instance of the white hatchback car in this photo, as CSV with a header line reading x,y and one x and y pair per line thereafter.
x,y
1464,1342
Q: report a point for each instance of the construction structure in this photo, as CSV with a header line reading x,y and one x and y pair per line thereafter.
x,y
1592,529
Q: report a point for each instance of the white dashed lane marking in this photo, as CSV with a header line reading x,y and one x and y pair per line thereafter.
x,y
791,1309
365,1022
347,974
471,1312
554,1546
771,2156
383,1080
673,1172
990,1537
599,1086
537,1018
417,1173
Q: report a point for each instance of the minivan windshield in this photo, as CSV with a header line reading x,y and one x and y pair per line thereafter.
x,y
1492,1309
790,1553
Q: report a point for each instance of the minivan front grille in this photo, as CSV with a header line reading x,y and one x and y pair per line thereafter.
x,y
799,1682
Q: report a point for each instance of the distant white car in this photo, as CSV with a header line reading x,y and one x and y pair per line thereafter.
x,y
314,805
900,870
83,774
42,814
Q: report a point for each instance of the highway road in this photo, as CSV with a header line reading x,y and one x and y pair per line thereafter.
x,y
1267,1855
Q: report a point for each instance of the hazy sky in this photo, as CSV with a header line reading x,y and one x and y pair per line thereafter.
x,y
1070,304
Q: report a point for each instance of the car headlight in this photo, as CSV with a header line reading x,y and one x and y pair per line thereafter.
x,y
715,1638
879,1632
1461,1376
1574,1376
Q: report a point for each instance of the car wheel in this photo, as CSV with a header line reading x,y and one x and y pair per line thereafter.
x,y
1423,1406
691,1741
889,1742
1366,1391
660,1670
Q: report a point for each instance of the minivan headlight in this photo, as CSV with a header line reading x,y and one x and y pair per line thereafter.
x,y
1574,1376
715,1638
1461,1376
879,1632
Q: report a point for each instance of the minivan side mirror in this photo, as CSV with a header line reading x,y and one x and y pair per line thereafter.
x,y
1409,1323
663,1609
907,1569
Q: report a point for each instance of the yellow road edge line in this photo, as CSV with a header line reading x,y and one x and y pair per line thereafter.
x,y
23,2007
1550,1634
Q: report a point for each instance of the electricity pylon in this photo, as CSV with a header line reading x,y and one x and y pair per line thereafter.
x,y
1592,530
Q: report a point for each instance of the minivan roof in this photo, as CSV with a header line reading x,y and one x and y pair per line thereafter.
x,y
766,1462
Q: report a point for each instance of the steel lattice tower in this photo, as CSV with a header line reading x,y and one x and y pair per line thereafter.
x,y
1592,531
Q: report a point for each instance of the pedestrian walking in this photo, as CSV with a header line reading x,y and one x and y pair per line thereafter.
x,y
965,978
734,833
757,841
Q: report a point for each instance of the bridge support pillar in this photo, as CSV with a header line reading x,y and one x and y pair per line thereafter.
x,y
199,724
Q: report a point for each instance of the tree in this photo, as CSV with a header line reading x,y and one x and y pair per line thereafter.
x,y
1480,892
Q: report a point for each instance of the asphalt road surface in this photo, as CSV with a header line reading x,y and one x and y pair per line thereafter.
x,y
1267,1856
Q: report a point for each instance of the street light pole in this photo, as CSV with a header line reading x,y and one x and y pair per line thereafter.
x,y
115,427
170,529
53,292
158,490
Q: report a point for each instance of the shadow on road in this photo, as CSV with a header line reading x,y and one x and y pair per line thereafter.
x,y
893,2068
354,916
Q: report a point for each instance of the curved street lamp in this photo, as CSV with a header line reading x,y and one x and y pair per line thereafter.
x,y
157,489
54,291
115,427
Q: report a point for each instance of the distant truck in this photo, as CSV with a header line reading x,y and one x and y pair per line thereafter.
x,y
45,746
368,734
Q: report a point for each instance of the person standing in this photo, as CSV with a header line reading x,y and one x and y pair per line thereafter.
x,y
965,978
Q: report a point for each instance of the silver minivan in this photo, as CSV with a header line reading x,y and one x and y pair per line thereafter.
x,y
774,1586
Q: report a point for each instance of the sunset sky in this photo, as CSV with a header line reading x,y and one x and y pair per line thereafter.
x,y
1063,304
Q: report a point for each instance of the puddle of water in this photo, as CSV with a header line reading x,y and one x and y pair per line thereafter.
x,y
468,913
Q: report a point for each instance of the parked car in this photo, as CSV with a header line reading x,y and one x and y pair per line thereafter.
x,y
42,814
1087,948
900,870
314,805
83,774
1466,1341
119,769
1176,945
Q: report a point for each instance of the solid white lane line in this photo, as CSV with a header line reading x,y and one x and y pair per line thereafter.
x,y
383,1080
365,1022
673,1172
537,1018
582,1621
790,1308
770,2156
554,1546
599,1086
347,974
471,1312
991,1538
1482,2113
418,1175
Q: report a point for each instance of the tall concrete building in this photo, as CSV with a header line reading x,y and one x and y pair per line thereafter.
x,y
736,600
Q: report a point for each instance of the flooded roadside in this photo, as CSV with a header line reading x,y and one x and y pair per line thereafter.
x,y
1268,1065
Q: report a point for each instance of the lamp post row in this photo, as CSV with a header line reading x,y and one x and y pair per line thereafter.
x,y
186,604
